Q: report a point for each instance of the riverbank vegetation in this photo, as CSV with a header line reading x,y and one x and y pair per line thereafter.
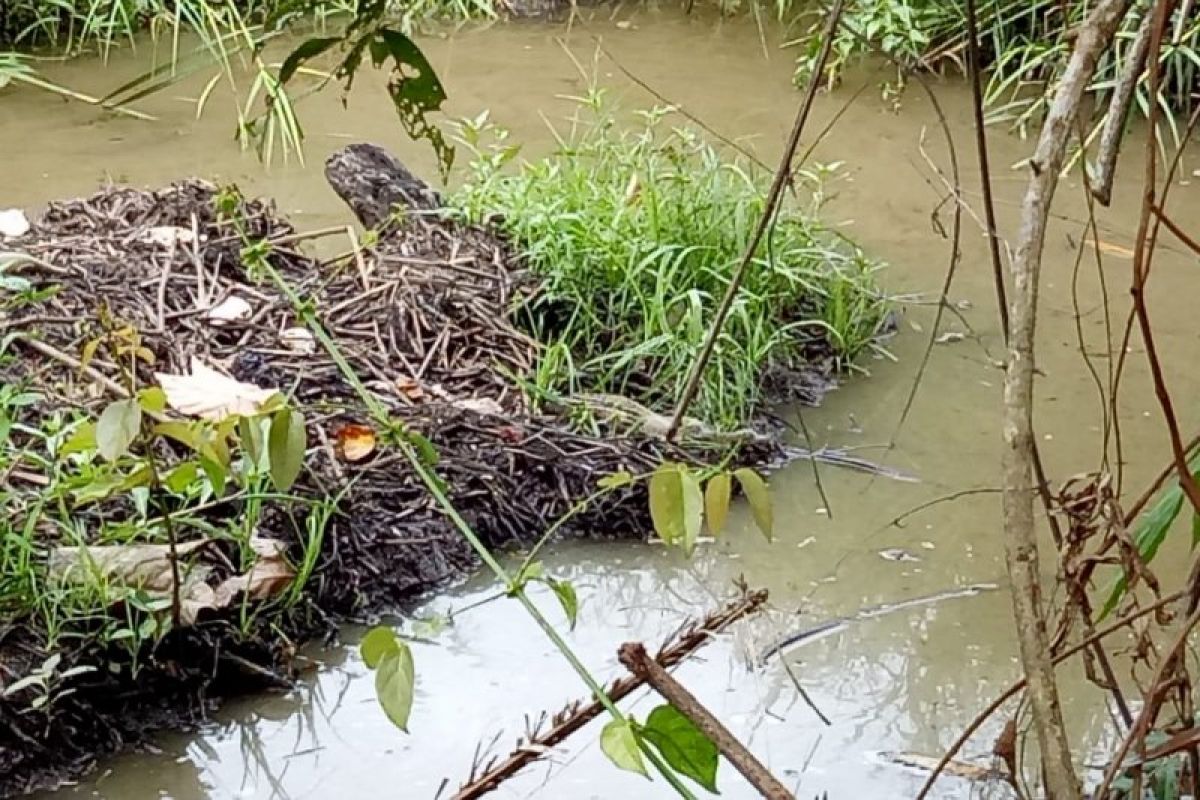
x,y
634,229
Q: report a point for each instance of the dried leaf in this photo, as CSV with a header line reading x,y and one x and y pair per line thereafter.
x,y
231,309
354,442
167,236
299,340
410,388
480,405
212,395
13,223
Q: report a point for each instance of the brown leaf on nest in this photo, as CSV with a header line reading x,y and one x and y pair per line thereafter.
x,y
410,388
354,442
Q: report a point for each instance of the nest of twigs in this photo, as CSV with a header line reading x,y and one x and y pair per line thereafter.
x,y
422,317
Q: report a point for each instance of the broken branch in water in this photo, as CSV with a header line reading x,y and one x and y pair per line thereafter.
x,y
635,658
577,714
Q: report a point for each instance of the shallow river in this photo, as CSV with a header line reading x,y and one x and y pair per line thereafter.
x,y
901,681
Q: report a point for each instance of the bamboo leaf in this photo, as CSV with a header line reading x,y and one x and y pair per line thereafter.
x,y
716,501
285,445
755,489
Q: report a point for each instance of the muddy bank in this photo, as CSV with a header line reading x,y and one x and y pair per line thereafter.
x,y
420,310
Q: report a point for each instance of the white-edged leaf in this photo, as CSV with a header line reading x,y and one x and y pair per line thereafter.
x,y
231,309
299,340
619,742
212,395
117,428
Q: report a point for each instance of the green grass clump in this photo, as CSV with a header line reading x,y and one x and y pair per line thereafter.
x,y
635,232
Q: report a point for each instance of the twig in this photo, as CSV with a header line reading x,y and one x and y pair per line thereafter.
x,y
633,655
58,355
576,715
1021,548
985,177
1118,110
782,174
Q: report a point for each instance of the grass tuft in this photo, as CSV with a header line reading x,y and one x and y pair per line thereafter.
x,y
635,232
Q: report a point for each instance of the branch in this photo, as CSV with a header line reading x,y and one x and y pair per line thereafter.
x,y
577,715
782,175
1012,691
1118,110
1021,548
633,655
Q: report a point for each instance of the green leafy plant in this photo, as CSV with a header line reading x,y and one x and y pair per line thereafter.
x,y
635,234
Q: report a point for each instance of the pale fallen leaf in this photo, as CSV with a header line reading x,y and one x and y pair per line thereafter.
x,y
167,236
897,554
480,405
269,576
354,442
1113,249
299,340
211,395
231,309
13,223
950,337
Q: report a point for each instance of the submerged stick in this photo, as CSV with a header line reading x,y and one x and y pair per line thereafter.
x,y
635,658
578,714
782,175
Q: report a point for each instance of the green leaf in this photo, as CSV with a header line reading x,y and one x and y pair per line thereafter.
x,y
1148,535
619,742
216,474
565,592
117,428
306,51
615,480
152,399
716,501
693,509
684,746
286,444
676,505
181,432
250,431
425,449
394,679
379,642
182,476
415,90
81,441
755,489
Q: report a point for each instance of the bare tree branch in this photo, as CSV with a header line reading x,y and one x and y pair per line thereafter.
x,y
1021,548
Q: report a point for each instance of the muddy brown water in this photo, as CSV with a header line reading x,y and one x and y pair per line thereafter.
x,y
901,681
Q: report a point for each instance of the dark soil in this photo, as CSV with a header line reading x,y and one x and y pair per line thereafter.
x,y
422,316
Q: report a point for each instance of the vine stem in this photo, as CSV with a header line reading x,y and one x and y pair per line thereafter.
x,y
434,485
